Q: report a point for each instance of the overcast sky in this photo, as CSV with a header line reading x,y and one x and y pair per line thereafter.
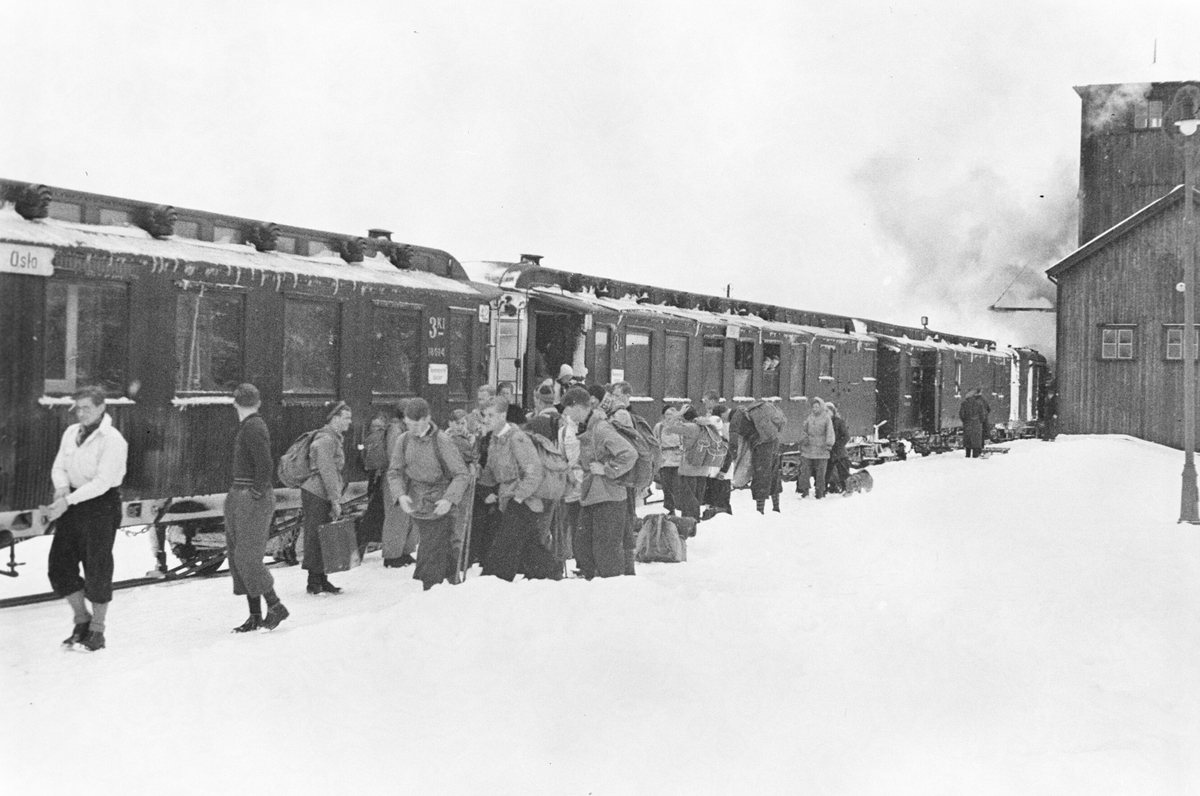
x,y
887,160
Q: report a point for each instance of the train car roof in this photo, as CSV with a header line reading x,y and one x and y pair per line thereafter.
x,y
589,302
929,344
91,239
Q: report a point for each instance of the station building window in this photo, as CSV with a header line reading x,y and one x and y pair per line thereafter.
x,y
1148,115
799,370
459,350
86,335
637,362
1175,341
743,369
677,367
310,347
1116,342
770,369
397,333
714,364
826,372
209,341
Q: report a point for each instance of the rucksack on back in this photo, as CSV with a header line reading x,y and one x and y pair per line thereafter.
x,y
295,467
555,468
709,450
649,453
768,420
658,540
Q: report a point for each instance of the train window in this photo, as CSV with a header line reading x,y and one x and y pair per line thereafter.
x,y
459,350
770,370
957,377
208,341
743,368
66,211
285,244
677,367
1175,342
310,347
603,357
397,350
87,336
1116,343
869,364
826,371
226,235
637,362
187,229
799,370
113,218
714,364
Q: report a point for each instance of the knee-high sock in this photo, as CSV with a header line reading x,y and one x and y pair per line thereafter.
x,y
99,611
78,605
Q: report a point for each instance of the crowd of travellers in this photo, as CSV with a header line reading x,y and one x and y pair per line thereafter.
x,y
516,493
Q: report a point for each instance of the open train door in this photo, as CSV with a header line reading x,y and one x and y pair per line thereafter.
x,y
558,328
924,374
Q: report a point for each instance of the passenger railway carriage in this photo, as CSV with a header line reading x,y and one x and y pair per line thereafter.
x,y
170,308
673,346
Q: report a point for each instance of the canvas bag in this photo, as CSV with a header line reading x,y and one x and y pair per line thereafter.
x,y
658,540
555,468
649,454
709,450
295,467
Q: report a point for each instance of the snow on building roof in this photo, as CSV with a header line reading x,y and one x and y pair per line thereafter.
x,y
65,235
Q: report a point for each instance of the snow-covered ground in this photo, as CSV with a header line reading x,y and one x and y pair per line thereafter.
x,y
1023,624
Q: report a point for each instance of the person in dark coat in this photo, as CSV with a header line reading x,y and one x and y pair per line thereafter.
x,y
428,478
974,412
758,426
249,508
839,460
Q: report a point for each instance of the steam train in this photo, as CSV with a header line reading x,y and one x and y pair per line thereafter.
x,y
168,308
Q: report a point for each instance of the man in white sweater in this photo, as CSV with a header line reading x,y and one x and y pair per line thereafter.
x,y
87,474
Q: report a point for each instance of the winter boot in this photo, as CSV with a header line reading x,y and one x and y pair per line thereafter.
x,y
329,588
93,641
77,635
253,623
275,614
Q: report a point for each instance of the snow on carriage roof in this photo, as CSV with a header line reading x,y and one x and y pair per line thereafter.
x,y
134,240
894,342
630,306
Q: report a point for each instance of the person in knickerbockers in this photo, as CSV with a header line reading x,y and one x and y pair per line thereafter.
x,y
87,476
321,494
249,507
429,478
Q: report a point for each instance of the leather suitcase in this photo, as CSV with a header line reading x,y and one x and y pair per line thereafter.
x,y
339,545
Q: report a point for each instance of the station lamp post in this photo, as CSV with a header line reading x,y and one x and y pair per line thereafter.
x,y
1181,122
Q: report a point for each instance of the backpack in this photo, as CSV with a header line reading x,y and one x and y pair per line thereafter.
x,y
768,420
375,454
649,453
658,540
709,450
295,467
555,468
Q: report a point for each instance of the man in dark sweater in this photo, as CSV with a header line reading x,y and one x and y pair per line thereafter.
x,y
249,507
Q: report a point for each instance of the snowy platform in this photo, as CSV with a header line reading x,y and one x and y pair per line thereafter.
x,y
1022,624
